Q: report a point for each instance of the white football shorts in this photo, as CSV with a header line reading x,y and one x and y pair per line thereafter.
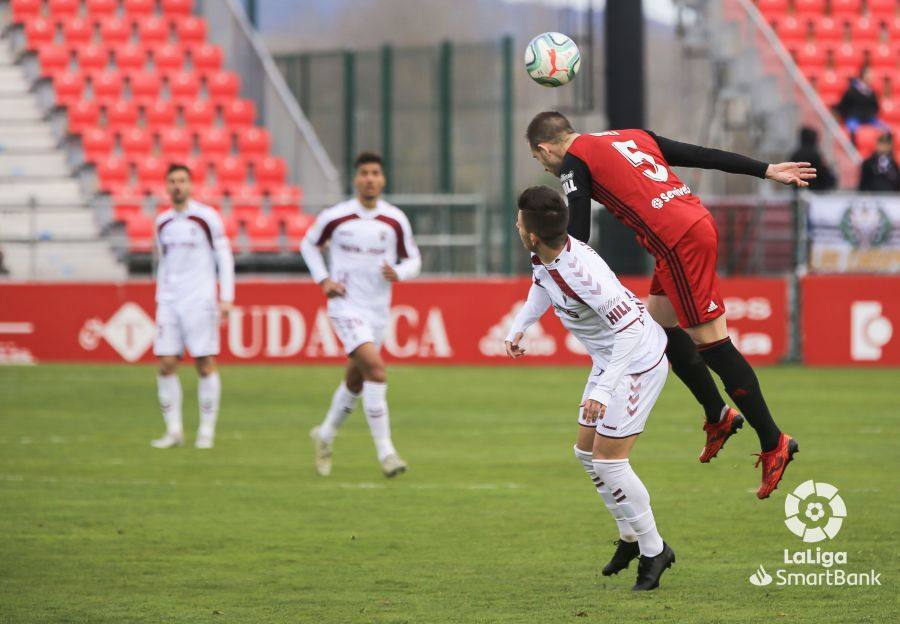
x,y
631,402
356,329
195,327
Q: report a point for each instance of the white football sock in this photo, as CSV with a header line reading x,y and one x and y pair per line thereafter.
x,y
168,388
625,531
342,405
633,499
209,392
374,398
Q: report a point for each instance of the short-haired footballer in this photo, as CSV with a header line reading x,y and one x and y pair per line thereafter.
x,y
629,172
193,253
371,246
628,349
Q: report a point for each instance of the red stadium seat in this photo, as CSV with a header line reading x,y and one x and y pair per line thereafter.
x,y
285,212
222,85
153,30
113,173
191,29
269,171
115,30
893,26
126,208
63,9
232,228
772,7
54,59
890,110
69,87
831,81
197,165
809,7
253,142
199,114
92,57
136,142
810,55
865,29
107,86
101,8
77,31
39,32
848,55
151,172
866,139
239,114
82,116
846,8
183,86
886,8
140,231
209,195
174,8
285,199
295,227
25,10
829,30
215,142
264,234
140,8
791,29
884,56
96,143
130,57
168,57
121,115
176,143
231,172
160,114
206,57
145,86
246,202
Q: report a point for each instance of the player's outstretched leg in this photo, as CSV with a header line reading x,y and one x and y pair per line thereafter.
x,y
742,386
375,407
343,402
168,388
626,546
209,395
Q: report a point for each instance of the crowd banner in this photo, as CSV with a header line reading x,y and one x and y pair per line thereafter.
x,y
431,321
854,233
851,320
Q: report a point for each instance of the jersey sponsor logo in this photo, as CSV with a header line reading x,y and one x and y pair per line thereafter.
x,y
568,182
616,314
666,196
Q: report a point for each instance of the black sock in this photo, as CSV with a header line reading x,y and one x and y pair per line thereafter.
x,y
742,386
692,371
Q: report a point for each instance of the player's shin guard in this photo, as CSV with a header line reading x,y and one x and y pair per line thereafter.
x,y
169,391
209,393
693,372
625,531
343,402
742,386
374,398
633,499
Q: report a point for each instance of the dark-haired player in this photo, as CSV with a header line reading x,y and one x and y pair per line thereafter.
x,y
629,370
372,246
192,250
629,172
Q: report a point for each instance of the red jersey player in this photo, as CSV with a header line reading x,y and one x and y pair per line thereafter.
x,y
628,171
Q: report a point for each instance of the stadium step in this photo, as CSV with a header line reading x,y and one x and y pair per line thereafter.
x,y
18,108
39,166
63,260
58,224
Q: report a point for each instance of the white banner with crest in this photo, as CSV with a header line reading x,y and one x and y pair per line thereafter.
x,y
854,233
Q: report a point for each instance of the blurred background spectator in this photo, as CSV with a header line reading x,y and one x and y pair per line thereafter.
x,y
880,173
859,104
808,151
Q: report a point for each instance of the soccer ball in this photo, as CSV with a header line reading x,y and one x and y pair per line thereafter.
x,y
552,59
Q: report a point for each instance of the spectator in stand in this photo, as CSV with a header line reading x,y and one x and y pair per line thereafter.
x,y
808,151
859,104
880,173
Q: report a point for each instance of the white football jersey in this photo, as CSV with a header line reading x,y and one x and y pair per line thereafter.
x,y
192,250
592,304
361,241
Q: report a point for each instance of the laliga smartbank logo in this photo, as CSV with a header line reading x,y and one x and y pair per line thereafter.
x,y
814,512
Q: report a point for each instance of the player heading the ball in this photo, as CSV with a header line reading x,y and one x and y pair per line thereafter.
x,y
629,370
192,251
371,246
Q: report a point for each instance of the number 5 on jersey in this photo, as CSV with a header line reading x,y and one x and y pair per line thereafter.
x,y
636,157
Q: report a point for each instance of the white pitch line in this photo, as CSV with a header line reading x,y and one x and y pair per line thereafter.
x,y
16,328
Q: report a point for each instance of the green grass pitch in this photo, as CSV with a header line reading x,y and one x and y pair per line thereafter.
x,y
495,522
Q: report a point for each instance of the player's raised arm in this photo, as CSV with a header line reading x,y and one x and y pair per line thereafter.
x,y
681,154
535,306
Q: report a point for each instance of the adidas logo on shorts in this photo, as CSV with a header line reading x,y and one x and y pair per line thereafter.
x,y
712,307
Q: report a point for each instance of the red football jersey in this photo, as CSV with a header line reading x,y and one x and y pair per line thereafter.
x,y
625,171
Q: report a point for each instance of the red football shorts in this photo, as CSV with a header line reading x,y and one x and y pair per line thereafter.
x,y
687,275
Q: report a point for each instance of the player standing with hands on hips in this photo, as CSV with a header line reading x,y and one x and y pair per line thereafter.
x,y
192,250
371,246
629,370
628,171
